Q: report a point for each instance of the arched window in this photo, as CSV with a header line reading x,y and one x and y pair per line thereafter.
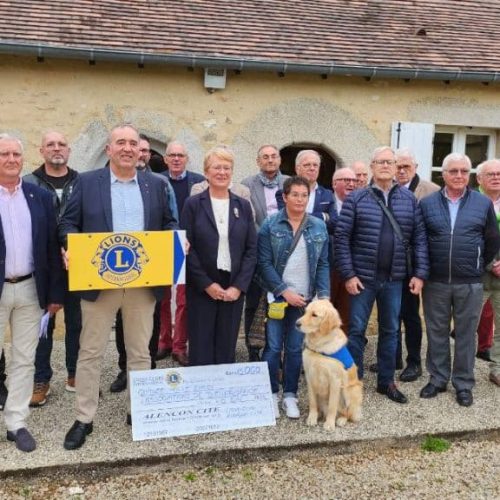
x,y
328,161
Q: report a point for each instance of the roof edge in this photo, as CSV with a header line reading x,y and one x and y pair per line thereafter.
x,y
93,54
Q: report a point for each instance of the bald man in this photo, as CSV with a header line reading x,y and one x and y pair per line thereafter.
x,y
362,173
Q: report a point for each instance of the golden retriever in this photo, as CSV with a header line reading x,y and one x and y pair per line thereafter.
x,y
334,392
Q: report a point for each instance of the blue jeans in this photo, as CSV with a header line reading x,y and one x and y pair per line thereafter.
x,y
73,324
388,297
284,333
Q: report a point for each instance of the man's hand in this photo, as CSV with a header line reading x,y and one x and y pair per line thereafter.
x,y
354,286
65,258
187,246
294,299
496,269
53,308
215,291
416,285
231,294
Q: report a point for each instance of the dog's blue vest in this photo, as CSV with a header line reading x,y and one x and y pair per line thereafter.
x,y
343,355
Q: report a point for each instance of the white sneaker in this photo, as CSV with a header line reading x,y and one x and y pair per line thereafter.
x,y
291,408
276,403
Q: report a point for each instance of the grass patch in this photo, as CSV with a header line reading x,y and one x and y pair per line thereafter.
x,y
435,444
190,476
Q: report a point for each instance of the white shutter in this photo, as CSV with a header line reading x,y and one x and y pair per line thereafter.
x,y
419,138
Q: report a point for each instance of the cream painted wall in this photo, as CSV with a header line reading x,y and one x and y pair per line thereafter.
x,y
348,116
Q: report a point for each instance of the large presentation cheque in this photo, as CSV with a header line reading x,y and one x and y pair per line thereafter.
x,y
199,399
103,261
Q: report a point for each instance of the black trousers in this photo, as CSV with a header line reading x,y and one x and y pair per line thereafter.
x,y
213,326
153,343
410,318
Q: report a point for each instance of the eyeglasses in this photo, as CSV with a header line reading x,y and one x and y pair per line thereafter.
x,y
176,155
220,168
384,162
491,175
301,196
456,171
403,167
309,166
347,180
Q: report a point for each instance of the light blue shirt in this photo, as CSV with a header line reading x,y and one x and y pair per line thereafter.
x,y
126,204
453,206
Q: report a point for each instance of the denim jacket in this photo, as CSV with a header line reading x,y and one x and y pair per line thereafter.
x,y
275,240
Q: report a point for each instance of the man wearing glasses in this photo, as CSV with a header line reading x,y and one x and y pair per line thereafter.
x,y
372,259
181,180
488,177
344,182
406,176
463,239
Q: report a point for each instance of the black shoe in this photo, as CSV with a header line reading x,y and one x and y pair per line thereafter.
x,y
120,383
393,393
464,397
253,355
129,419
3,395
162,354
410,373
76,435
373,368
484,355
23,439
431,391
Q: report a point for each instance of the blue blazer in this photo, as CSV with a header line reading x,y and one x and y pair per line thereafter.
x,y
49,273
324,203
198,220
89,210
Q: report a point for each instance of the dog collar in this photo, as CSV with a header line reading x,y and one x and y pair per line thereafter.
x,y
343,355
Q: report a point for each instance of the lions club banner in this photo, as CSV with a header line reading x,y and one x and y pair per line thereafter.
x,y
100,261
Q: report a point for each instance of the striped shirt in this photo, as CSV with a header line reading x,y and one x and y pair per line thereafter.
x,y
16,223
126,204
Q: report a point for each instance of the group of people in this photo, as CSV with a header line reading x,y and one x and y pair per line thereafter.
x,y
271,239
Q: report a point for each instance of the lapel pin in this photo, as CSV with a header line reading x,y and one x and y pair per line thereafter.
x,y
236,213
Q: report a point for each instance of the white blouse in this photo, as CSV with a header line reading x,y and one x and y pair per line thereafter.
x,y
221,214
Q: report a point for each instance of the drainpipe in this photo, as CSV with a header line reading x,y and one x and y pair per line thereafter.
x,y
93,55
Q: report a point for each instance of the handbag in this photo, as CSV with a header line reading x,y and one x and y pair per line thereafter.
x,y
257,330
397,230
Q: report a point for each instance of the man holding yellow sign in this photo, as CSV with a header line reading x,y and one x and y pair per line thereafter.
x,y
121,201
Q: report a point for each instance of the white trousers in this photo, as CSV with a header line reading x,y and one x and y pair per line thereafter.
x,y
19,308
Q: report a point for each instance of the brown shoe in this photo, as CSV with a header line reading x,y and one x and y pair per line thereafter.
x,y
40,393
70,384
495,378
181,358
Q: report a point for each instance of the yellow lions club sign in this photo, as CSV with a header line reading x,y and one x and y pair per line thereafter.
x,y
100,261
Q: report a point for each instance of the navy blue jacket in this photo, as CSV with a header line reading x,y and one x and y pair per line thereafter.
x,y
198,220
49,273
358,231
459,256
89,210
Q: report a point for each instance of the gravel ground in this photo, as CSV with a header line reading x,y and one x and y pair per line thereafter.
x,y
466,470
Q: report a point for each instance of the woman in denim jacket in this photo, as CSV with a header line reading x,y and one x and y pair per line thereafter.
x,y
293,270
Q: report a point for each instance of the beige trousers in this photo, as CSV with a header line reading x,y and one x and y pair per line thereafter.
x,y
137,305
19,308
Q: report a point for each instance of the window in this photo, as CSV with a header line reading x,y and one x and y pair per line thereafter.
x,y
477,143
